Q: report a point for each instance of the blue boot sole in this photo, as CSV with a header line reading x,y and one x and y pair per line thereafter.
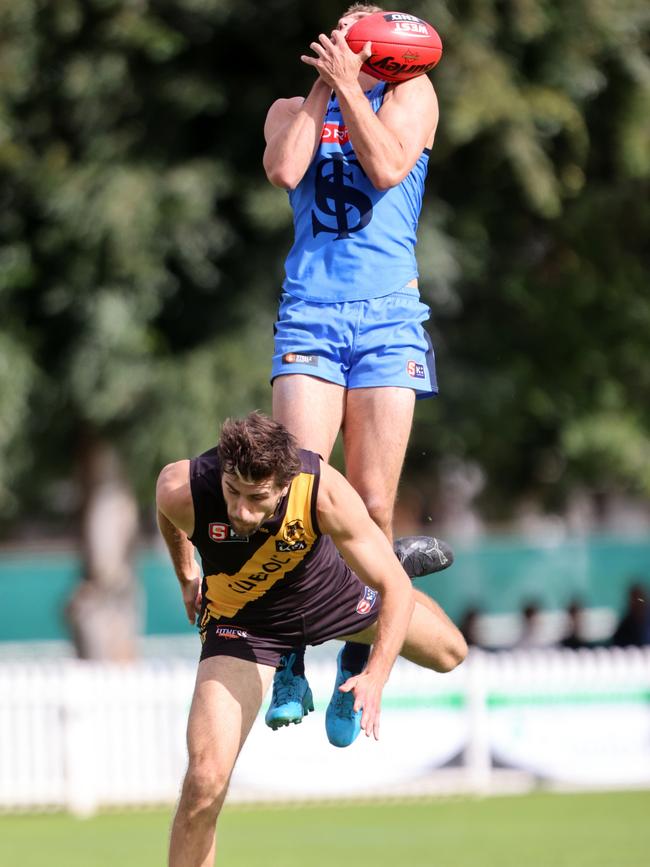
x,y
307,707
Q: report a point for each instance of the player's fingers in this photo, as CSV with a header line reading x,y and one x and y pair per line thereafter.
x,y
325,41
371,726
366,51
349,685
318,49
367,721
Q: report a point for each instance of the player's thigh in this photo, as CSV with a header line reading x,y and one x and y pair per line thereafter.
x,y
375,436
432,640
227,697
311,409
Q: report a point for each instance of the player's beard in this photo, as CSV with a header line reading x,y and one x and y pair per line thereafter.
x,y
243,529
249,530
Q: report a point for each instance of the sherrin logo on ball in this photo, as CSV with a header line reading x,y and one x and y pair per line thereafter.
x,y
403,46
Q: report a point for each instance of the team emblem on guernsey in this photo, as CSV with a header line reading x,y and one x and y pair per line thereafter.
x,y
366,603
294,531
336,196
294,537
224,533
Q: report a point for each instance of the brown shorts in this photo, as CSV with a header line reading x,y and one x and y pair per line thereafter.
x,y
354,608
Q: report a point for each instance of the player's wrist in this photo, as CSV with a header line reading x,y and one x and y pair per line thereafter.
x,y
320,84
348,88
186,579
320,90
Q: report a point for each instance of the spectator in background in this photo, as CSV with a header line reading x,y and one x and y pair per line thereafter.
x,y
633,629
575,636
532,633
469,626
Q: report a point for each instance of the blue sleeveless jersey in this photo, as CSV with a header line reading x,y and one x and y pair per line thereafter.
x,y
352,242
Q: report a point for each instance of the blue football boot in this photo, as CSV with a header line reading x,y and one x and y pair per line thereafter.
x,y
342,723
292,698
419,555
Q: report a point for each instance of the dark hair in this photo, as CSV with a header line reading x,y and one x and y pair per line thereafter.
x,y
258,448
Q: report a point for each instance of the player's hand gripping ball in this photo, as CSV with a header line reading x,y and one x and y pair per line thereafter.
x,y
403,46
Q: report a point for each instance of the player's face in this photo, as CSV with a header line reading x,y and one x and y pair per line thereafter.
x,y
348,20
249,503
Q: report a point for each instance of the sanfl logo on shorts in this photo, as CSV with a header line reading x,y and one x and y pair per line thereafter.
x,y
366,603
415,369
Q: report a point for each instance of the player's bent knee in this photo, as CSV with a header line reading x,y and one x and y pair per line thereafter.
x,y
454,653
204,789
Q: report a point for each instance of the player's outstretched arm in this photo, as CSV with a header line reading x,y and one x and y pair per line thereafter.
x,y
292,132
175,513
343,515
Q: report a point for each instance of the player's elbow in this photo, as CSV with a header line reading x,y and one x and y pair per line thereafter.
x,y
282,175
385,178
282,181
383,182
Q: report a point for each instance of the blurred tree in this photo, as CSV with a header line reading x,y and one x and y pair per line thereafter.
x,y
141,250
127,332
535,247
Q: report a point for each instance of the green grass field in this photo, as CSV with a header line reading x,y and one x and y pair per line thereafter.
x,y
539,830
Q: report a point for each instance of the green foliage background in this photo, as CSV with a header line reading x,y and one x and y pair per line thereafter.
x,y
141,246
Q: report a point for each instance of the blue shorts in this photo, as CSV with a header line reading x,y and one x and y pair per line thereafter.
x,y
357,344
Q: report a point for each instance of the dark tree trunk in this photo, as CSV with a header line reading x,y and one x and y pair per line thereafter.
x,y
103,611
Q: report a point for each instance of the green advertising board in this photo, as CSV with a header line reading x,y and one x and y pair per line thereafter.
x,y
497,576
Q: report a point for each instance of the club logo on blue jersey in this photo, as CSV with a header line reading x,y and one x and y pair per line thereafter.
x,y
336,196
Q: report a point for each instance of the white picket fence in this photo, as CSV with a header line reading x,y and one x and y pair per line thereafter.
x,y
80,736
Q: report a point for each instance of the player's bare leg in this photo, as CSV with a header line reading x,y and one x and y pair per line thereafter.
x,y
432,640
376,424
376,430
311,409
227,697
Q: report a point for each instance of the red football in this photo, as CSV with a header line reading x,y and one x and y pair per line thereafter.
x,y
403,46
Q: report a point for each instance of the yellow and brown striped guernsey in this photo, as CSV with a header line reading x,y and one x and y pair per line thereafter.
x,y
280,554
264,576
